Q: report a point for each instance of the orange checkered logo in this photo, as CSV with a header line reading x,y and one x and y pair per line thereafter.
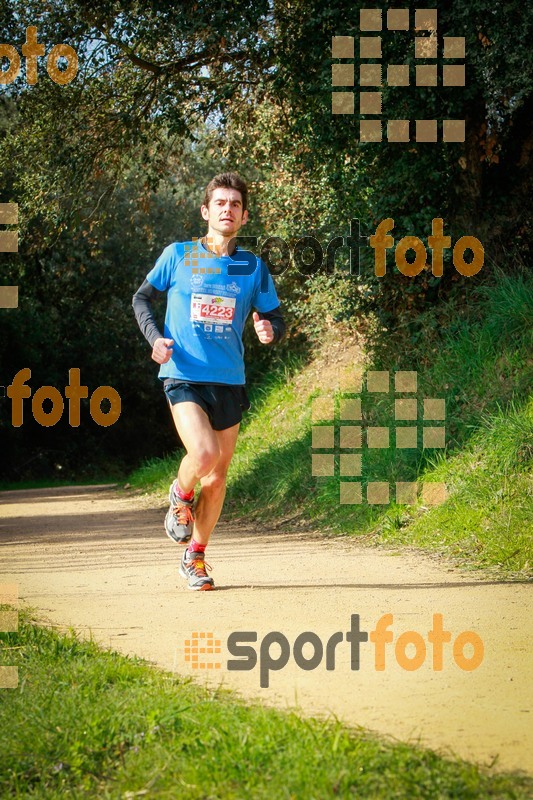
x,y
405,433
200,650
374,75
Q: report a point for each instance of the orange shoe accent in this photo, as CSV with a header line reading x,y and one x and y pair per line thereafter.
x,y
183,513
199,565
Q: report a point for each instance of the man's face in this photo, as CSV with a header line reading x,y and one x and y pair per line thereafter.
x,y
224,213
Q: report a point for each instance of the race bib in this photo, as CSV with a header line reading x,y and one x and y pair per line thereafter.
x,y
212,308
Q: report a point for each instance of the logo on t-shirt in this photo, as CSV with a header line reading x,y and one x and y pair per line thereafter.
x,y
197,281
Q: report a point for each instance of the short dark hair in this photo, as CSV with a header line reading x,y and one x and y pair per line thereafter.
x,y
227,180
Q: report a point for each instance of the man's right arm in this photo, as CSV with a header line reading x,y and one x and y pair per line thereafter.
x,y
142,307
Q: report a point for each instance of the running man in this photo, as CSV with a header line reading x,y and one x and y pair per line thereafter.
x,y
212,286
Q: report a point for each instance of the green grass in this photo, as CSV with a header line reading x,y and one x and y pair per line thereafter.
x,y
488,518
86,723
478,357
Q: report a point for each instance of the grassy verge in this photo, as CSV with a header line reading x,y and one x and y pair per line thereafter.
x,y
488,519
88,723
477,356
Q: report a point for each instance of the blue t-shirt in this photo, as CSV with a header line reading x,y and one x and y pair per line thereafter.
x,y
209,299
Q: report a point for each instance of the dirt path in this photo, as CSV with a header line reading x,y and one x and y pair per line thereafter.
x,y
100,562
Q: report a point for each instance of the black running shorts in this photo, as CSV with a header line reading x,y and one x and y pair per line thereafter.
x,y
223,403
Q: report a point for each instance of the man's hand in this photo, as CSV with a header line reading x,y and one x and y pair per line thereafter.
x,y
162,350
263,328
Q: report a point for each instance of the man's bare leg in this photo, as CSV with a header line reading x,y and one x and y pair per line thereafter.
x,y
200,441
208,457
214,487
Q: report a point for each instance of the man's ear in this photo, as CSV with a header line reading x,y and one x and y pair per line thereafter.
x,y
244,217
204,211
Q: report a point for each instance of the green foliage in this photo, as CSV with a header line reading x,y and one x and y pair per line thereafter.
x,y
75,311
110,168
479,188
